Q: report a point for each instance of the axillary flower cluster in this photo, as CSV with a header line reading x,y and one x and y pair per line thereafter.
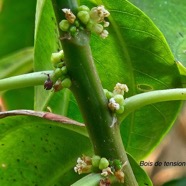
x,y
92,20
60,76
116,100
107,168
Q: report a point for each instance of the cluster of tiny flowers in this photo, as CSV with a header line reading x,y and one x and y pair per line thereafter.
x,y
91,20
116,98
113,105
60,77
83,165
87,164
120,89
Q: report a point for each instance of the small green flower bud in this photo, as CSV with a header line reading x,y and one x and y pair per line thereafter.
x,y
57,72
64,25
83,16
120,110
90,25
66,83
83,8
96,161
117,164
73,30
57,57
108,94
94,14
64,70
119,99
76,23
97,28
60,65
103,164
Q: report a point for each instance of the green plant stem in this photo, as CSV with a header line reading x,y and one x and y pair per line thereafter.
x,y
25,80
87,89
134,102
89,94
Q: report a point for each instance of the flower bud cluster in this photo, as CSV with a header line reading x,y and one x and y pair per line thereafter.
x,y
116,98
87,164
92,20
60,76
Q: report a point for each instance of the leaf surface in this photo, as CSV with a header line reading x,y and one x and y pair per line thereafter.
x,y
36,151
16,25
169,16
17,63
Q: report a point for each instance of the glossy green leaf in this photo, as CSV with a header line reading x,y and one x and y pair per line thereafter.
x,y
36,151
16,25
136,53
169,16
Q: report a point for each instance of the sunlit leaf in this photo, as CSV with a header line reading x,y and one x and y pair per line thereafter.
x,y
36,151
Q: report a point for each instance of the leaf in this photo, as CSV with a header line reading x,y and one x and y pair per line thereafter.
x,y
19,98
17,63
141,176
136,53
16,25
36,151
170,18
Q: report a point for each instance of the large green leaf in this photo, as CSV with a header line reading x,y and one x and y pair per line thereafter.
x,y
36,151
16,25
169,16
136,53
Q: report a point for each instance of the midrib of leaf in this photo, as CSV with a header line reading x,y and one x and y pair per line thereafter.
x,y
40,5
120,39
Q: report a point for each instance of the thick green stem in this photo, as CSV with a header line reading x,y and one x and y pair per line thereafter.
x,y
89,94
26,80
87,89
